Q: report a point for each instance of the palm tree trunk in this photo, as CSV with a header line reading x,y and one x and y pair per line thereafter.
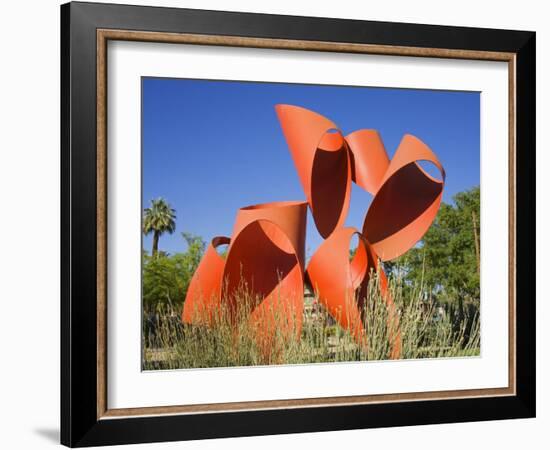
x,y
156,235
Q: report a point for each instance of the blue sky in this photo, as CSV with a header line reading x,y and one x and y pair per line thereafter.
x,y
211,147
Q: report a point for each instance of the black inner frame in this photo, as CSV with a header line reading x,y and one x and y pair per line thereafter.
x,y
79,423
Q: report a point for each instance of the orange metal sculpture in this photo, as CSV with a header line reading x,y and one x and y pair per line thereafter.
x,y
203,297
264,265
337,280
406,201
322,161
265,259
342,285
266,249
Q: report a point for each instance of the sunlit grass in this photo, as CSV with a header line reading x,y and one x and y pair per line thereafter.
x,y
427,331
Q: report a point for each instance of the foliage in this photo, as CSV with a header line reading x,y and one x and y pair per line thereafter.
x,y
158,219
447,260
166,277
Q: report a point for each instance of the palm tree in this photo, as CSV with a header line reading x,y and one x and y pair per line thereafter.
x,y
158,219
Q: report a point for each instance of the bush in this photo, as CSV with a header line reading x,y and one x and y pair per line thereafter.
x,y
167,277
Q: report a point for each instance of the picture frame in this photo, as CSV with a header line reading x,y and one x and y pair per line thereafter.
x,y
86,418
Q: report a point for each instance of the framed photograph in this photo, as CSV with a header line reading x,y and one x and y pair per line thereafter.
x,y
276,224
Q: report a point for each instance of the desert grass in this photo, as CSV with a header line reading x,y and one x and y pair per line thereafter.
x,y
229,338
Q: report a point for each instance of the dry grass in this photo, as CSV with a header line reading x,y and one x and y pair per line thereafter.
x,y
427,331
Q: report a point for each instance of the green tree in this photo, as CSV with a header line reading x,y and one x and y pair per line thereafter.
x,y
447,259
158,219
166,277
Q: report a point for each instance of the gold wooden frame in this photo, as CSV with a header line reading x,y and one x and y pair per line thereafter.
x,y
103,36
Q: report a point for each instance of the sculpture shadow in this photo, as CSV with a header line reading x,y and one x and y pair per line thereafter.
x,y
330,181
261,263
402,199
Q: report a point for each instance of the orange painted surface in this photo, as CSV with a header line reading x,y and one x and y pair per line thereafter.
x,y
369,159
406,202
321,158
263,265
289,216
266,253
204,292
263,259
341,284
